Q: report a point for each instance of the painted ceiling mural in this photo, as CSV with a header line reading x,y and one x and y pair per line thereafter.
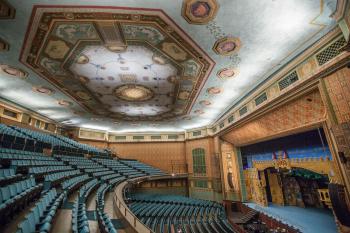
x,y
119,65
150,65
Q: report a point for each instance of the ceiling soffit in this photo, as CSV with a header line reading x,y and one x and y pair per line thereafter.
x,y
121,63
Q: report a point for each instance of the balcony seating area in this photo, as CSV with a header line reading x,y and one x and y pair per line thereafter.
x,y
121,167
14,137
143,167
170,213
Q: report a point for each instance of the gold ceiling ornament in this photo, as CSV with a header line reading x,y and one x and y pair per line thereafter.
x,y
68,15
133,93
199,11
174,51
172,79
83,95
158,59
43,90
13,71
84,79
82,59
65,103
214,90
199,112
187,118
183,95
205,102
227,46
57,49
227,73
116,48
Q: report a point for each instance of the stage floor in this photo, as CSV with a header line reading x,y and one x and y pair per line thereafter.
x,y
308,220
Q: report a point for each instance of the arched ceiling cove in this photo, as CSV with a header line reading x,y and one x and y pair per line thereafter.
x,y
154,65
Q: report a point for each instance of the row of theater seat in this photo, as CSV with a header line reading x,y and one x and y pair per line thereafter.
x,y
40,217
168,213
15,196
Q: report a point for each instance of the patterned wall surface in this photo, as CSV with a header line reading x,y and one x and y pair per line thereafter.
x,y
338,88
296,114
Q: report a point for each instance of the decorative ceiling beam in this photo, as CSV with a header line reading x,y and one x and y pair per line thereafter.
x,y
112,35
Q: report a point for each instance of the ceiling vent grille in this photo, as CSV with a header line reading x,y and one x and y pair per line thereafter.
x,y
120,138
172,136
288,80
196,133
138,137
262,98
331,51
230,119
243,111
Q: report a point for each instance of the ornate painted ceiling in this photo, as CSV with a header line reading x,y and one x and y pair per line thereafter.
x,y
155,65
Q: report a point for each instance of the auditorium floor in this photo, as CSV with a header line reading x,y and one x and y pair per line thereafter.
x,y
308,220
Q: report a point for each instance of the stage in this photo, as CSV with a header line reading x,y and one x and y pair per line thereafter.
x,y
307,220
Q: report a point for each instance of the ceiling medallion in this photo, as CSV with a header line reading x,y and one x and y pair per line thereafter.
x,y
43,90
227,73
10,70
133,93
205,102
214,90
65,103
199,11
227,46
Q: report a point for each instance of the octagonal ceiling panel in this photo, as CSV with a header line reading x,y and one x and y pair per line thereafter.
x,y
134,68
118,64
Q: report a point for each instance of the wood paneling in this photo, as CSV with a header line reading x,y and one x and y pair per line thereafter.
x,y
169,156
